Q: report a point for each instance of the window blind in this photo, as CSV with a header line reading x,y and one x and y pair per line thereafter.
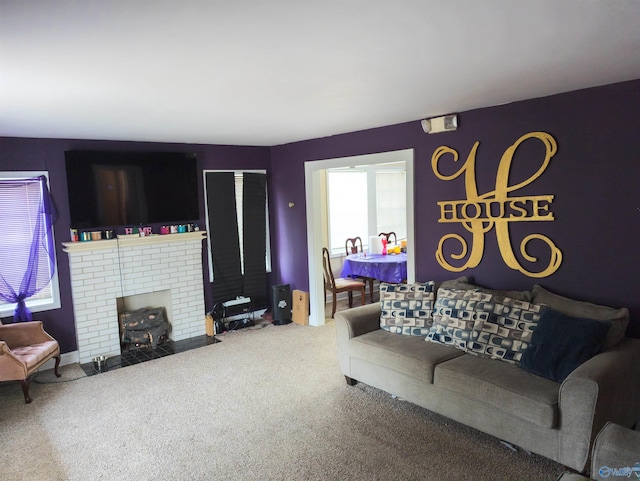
x,y
25,244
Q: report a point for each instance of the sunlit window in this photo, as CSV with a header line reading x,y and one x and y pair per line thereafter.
x,y
365,201
347,203
20,207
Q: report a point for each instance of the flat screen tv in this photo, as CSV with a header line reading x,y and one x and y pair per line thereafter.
x,y
108,188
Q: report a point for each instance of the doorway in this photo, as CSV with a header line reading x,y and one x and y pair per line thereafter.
x,y
316,223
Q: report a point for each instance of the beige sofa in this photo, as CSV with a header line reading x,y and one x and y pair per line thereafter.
x,y
553,419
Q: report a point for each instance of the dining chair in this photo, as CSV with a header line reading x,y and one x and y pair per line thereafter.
x,y
353,245
388,236
24,348
338,285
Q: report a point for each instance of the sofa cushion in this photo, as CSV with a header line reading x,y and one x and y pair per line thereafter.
x,y
619,317
504,386
405,354
561,343
35,354
451,283
483,323
407,308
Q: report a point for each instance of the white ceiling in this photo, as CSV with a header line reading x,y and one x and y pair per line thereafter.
x,y
260,72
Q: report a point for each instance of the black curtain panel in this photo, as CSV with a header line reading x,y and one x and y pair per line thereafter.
x,y
222,228
254,195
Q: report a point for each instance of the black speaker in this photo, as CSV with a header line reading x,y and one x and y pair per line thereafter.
x,y
281,302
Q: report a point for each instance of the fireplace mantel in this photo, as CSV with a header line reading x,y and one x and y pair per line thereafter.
x,y
131,240
105,270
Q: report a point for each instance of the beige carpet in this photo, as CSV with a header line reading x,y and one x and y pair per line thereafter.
x,y
266,404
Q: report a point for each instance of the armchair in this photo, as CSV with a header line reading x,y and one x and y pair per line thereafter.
x,y
24,348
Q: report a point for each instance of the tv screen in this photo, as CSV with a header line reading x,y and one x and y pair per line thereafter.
x,y
131,188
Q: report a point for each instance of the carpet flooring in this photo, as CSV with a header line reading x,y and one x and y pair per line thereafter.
x,y
263,404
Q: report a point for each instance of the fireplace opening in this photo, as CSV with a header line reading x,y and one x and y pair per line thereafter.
x,y
144,327
144,320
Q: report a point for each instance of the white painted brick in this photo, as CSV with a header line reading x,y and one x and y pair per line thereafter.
x,y
99,339
83,276
90,323
98,278
113,347
92,257
86,313
104,296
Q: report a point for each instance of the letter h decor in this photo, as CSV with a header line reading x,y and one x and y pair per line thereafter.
x,y
479,213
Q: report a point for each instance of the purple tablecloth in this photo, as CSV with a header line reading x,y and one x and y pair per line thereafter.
x,y
389,268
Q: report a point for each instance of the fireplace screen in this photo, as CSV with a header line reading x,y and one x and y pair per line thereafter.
x,y
142,328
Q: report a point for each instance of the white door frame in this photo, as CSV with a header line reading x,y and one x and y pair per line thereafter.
x,y
312,176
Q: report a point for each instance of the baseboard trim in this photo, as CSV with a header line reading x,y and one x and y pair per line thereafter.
x,y
66,358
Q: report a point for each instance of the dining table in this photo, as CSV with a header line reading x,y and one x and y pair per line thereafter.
x,y
390,268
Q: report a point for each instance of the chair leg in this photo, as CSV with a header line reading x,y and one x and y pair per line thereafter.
x,y
25,389
55,369
362,296
350,298
371,290
333,309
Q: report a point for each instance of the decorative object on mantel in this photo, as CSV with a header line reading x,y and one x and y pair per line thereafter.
x,y
479,213
131,240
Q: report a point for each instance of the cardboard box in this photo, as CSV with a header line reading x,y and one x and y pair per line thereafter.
x,y
208,325
300,307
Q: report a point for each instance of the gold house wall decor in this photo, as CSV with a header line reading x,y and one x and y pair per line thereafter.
x,y
480,213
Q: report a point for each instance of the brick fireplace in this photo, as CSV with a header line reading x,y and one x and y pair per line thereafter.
x,y
106,271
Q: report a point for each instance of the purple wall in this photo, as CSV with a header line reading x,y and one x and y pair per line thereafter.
x,y
48,154
594,177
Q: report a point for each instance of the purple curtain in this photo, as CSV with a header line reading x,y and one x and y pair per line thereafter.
x,y
41,244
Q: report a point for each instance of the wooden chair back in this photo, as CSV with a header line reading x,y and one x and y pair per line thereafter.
x,y
340,285
388,235
329,279
353,245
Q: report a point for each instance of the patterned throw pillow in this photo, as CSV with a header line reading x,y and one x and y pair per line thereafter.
x,y
454,317
407,308
483,323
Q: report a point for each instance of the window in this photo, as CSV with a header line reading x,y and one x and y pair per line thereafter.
x,y
347,204
238,177
391,202
365,201
238,240
21,198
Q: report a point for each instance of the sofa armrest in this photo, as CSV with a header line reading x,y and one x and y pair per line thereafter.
x,y
11,368
352,323
23,334
358,320
605,388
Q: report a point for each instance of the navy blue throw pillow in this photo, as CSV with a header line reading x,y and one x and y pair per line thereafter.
x,y
561,343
